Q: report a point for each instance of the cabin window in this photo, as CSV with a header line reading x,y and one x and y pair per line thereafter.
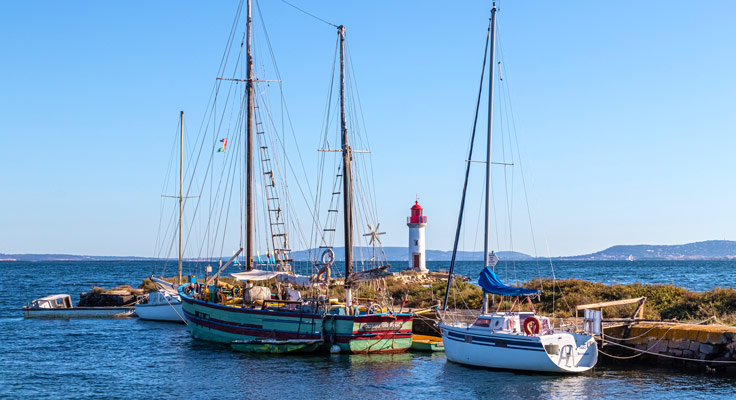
x,y
59,302
482,322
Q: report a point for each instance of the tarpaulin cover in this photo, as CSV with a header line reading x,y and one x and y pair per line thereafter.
x,y
254,275
260,275
490,283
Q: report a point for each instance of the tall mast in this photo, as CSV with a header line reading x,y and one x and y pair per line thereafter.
x,y
486,231
347,176
181,183
467,174
487,238
249,151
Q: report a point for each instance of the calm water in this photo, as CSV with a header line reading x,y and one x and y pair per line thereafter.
x,y
139,359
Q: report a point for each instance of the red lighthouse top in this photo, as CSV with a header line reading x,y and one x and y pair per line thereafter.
x,y
416,214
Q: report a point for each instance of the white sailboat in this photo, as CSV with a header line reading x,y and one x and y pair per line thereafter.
x,y
165,303
510,339
162,305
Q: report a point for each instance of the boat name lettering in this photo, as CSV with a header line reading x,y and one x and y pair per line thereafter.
x,y
381,326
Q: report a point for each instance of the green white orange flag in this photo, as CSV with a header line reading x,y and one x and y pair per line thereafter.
x,y
224,146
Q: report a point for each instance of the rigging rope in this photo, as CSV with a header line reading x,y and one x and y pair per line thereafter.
x,y
310,14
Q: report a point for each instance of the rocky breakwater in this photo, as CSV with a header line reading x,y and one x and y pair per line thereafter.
x,y
122,296
691,346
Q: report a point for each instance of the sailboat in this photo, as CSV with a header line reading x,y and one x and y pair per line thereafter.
x,y
350,329
515,340
251,318
164,304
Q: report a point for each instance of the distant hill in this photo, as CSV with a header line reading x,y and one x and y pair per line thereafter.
x,y
66,257
402,254
708,250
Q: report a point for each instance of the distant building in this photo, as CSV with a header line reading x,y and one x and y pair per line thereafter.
x,y
416,223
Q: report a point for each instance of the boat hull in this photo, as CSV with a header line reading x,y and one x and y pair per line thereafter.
x,y
427,343
372,333
79,312
520,352
160,312
226,324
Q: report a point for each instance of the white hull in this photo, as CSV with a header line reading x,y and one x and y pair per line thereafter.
x,y
79,312
160,312
162,305
556,352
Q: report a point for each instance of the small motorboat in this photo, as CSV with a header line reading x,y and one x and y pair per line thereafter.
x,y
426,343
277,346
60,306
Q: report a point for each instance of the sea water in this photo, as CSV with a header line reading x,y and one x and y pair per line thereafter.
x,y
131,358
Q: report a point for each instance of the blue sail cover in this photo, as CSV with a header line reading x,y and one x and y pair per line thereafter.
x,y
490,283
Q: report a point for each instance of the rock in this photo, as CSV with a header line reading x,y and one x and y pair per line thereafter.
x,y
707,349
731,347
676,352
662,346
688,353
694,346
684,344
95,299
716,338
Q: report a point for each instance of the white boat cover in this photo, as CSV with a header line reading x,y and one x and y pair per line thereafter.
x,y
261,275
299,280
254,275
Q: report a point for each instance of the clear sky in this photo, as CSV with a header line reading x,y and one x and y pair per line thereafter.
x,y
625,112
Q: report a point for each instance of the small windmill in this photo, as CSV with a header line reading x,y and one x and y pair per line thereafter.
x,y
375,237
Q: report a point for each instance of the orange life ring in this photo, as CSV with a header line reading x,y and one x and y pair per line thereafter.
x,y
532,325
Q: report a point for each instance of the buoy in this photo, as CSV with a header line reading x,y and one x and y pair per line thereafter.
x,y
335,349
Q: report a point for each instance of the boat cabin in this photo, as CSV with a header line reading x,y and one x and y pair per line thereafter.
x,y
513,322
53,301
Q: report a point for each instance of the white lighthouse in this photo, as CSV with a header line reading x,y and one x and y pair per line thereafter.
x,y
416,223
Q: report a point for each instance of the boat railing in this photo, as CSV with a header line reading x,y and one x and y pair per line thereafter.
x,y
458,316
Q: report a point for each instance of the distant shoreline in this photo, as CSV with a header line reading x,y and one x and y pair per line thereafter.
x,y
710,250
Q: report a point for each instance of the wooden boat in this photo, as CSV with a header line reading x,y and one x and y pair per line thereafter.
x,y
60,306
273,324
507,339
426,343
277,346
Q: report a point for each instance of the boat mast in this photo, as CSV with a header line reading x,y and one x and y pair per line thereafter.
x,y
181,184
346,179
467,174
249,151
486,232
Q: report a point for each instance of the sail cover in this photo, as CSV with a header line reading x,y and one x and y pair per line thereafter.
x,y
261,275
254,275
490,283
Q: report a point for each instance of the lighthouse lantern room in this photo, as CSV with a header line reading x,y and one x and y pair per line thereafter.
x,y
416,223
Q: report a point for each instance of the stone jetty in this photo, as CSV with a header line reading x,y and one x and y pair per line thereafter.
x,y
693,346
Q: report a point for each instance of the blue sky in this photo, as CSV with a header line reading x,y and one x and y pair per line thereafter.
x,y
624,113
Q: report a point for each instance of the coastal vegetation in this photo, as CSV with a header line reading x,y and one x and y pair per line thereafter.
x,y
664,302
558,298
